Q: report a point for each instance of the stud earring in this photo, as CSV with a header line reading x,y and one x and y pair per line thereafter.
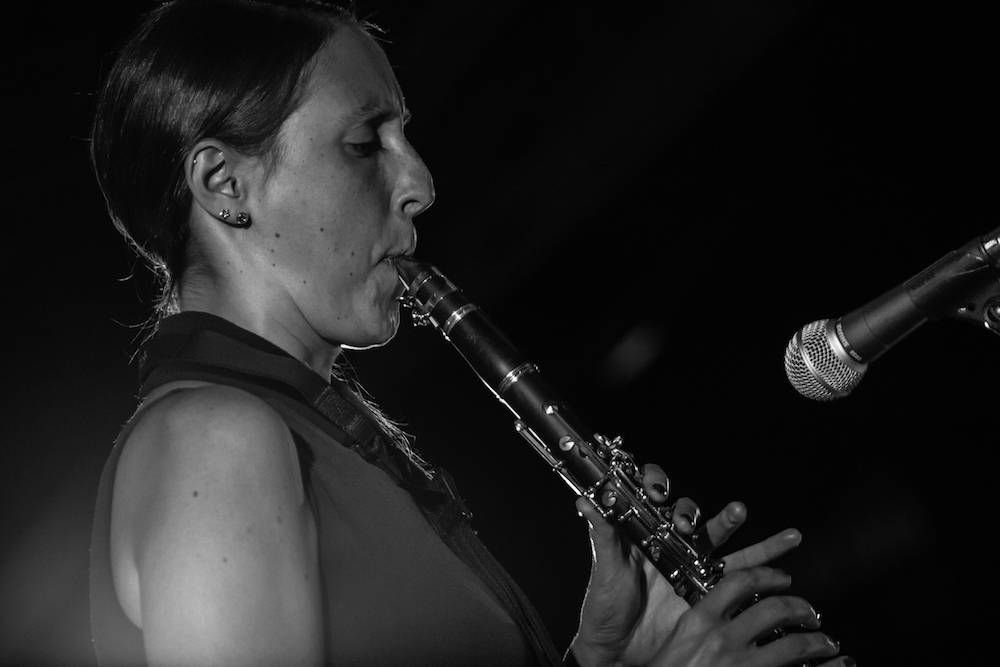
x,y
243,219
224,214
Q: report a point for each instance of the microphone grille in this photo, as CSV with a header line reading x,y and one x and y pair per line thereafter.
x,y
815,369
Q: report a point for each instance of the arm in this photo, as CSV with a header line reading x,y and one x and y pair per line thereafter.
x,y
222,538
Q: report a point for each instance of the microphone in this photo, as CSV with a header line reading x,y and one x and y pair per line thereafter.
x,y
827,358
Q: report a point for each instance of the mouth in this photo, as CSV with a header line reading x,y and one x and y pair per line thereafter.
x,y
404,249
391,257
390,260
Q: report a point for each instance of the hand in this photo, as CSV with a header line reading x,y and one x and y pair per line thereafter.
x,y
632,616
710,635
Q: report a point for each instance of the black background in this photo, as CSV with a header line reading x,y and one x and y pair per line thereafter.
x,y
650,198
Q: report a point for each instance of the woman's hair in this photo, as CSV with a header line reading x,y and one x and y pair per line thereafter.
x,y
233,70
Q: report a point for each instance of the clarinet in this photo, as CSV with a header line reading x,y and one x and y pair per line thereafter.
x,y
593,465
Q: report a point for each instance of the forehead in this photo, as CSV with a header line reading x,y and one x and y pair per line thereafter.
x,y
350,73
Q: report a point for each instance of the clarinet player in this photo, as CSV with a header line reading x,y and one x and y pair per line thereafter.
x,y
253,508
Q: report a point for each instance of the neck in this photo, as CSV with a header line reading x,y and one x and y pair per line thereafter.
x,y
283,326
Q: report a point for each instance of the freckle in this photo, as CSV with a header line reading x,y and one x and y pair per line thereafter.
x,y
272,264
195,494
321,229
279,519
277,235
225,560
272,249
352,253
303,282
350,273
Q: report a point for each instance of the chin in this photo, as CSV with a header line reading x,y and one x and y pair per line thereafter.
x,y
379,336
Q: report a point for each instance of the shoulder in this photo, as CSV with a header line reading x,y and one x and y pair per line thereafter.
x,y
212,416
210,428
215,447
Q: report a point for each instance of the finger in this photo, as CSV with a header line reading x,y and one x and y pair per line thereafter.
x,y
721,526
685,515
780,611
607,547
735,589
794,649
764,551
655,483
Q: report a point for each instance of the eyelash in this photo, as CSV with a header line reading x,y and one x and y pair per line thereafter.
x,y
367,148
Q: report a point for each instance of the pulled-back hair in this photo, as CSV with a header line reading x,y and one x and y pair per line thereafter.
x,y
232,70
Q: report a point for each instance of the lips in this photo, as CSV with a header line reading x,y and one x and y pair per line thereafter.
x,y
404,249
400,252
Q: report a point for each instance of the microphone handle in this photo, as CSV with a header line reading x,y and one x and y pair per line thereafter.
x,y
934,293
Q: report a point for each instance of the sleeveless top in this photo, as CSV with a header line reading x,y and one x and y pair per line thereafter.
x,y
405,580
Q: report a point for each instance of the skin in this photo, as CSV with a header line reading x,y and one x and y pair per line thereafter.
x,y
308,274
214,550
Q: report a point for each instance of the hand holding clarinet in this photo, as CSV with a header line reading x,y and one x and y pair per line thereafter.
x,y
632,616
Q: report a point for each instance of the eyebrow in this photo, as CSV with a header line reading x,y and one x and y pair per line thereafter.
x,y
375,111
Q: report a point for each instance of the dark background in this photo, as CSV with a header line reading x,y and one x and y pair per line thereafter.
x,y
650,198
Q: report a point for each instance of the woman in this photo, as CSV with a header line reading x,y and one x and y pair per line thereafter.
x,y
252,511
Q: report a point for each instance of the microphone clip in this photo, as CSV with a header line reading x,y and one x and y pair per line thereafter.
x,y
981,306
984,311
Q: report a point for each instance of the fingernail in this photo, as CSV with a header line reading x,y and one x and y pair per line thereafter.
x,y
833,643
817,616
688,518
792,536
660,488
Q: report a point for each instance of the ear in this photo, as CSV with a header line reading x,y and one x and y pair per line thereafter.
x,y
219,178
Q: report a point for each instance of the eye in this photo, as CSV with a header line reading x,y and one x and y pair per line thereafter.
x,y
366,148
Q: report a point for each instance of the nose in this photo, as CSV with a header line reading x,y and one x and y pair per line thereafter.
x,y
415,193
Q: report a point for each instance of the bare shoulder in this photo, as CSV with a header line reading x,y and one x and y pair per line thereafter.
x,y
208,435
212,442
209,508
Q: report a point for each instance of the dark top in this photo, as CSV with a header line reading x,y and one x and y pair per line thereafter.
x,y
405,580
